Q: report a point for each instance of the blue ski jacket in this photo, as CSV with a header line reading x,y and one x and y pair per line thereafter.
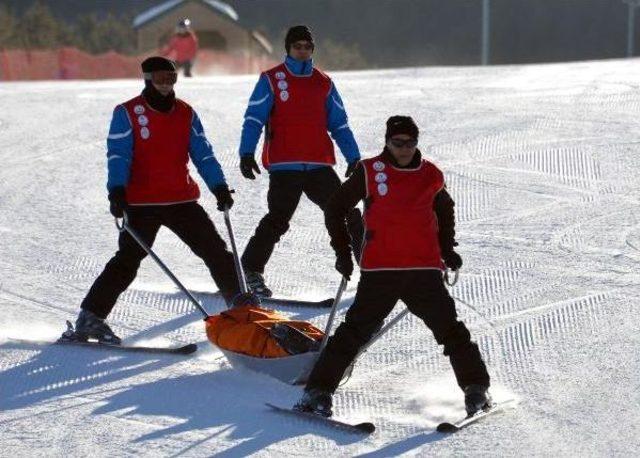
x,y
120,151
259,109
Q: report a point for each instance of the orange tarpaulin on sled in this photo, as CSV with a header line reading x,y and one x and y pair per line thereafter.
x,y
246,330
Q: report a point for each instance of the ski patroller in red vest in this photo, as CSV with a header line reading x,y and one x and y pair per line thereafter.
x,y
159,173
401,226
297,127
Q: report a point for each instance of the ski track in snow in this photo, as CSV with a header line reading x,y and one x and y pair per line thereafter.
x,y
542,161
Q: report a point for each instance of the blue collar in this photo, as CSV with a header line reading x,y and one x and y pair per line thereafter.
x,y
297,67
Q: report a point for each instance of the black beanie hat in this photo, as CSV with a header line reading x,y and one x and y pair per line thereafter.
x,y
297,33
401,125
156,63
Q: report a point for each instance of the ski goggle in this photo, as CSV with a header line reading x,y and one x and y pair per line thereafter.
x,y
399,143
164,77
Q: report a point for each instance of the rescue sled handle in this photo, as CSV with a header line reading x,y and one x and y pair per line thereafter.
x,y
239,270
125,227
336,301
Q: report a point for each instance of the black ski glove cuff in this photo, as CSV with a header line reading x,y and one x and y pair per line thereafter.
x,y
223,196
452,259
344,263
350,168
248,165
117,201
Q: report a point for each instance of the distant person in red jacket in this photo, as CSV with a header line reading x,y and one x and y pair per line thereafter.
x,y
183,47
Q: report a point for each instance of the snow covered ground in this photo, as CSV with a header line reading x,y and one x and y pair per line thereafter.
x,y
543,163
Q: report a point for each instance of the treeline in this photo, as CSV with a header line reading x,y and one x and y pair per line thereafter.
x,y
38,28
392,33
359,33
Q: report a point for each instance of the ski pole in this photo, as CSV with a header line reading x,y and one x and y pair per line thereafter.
x,y
380,333
336,301
239,270
125,227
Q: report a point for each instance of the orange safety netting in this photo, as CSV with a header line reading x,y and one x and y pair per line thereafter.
x,y
71,63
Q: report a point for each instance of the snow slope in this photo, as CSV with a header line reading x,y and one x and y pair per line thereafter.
x,y
543,163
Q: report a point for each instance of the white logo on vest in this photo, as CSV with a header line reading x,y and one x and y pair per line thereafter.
x,y
381,177
284,96
282,84
378,166
138,109
144,133
383,189
143,120
280,75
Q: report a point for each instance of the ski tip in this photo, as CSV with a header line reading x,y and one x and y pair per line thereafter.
x,y
327,303
366,428
447,428
188,349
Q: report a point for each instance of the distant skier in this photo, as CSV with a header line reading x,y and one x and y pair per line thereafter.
x,y
183,47
298,104
410,232
150,141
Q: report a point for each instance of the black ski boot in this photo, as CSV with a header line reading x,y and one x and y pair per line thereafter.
x,y
91,326
255,282
315,401
476,397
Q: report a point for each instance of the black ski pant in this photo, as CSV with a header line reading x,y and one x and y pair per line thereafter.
x,y
190,223
425,295
285,190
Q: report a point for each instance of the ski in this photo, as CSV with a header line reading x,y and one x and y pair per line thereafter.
x,y
284,302
359,428
468,420
326,303
181,350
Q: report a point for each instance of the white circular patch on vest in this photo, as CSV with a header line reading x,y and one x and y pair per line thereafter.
x,y
280,75
144,133
284,96
138,109
378,166
381,177
282,85
383,189
143,120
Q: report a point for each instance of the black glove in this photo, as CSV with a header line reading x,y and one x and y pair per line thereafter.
x,y
223,195
452,260
117,201
344,264
248,165
350,168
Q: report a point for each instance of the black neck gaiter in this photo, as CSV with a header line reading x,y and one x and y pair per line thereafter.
x,y
156,100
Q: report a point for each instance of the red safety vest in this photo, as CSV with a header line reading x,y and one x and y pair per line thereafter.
x,y
400,224
159,173
297,127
